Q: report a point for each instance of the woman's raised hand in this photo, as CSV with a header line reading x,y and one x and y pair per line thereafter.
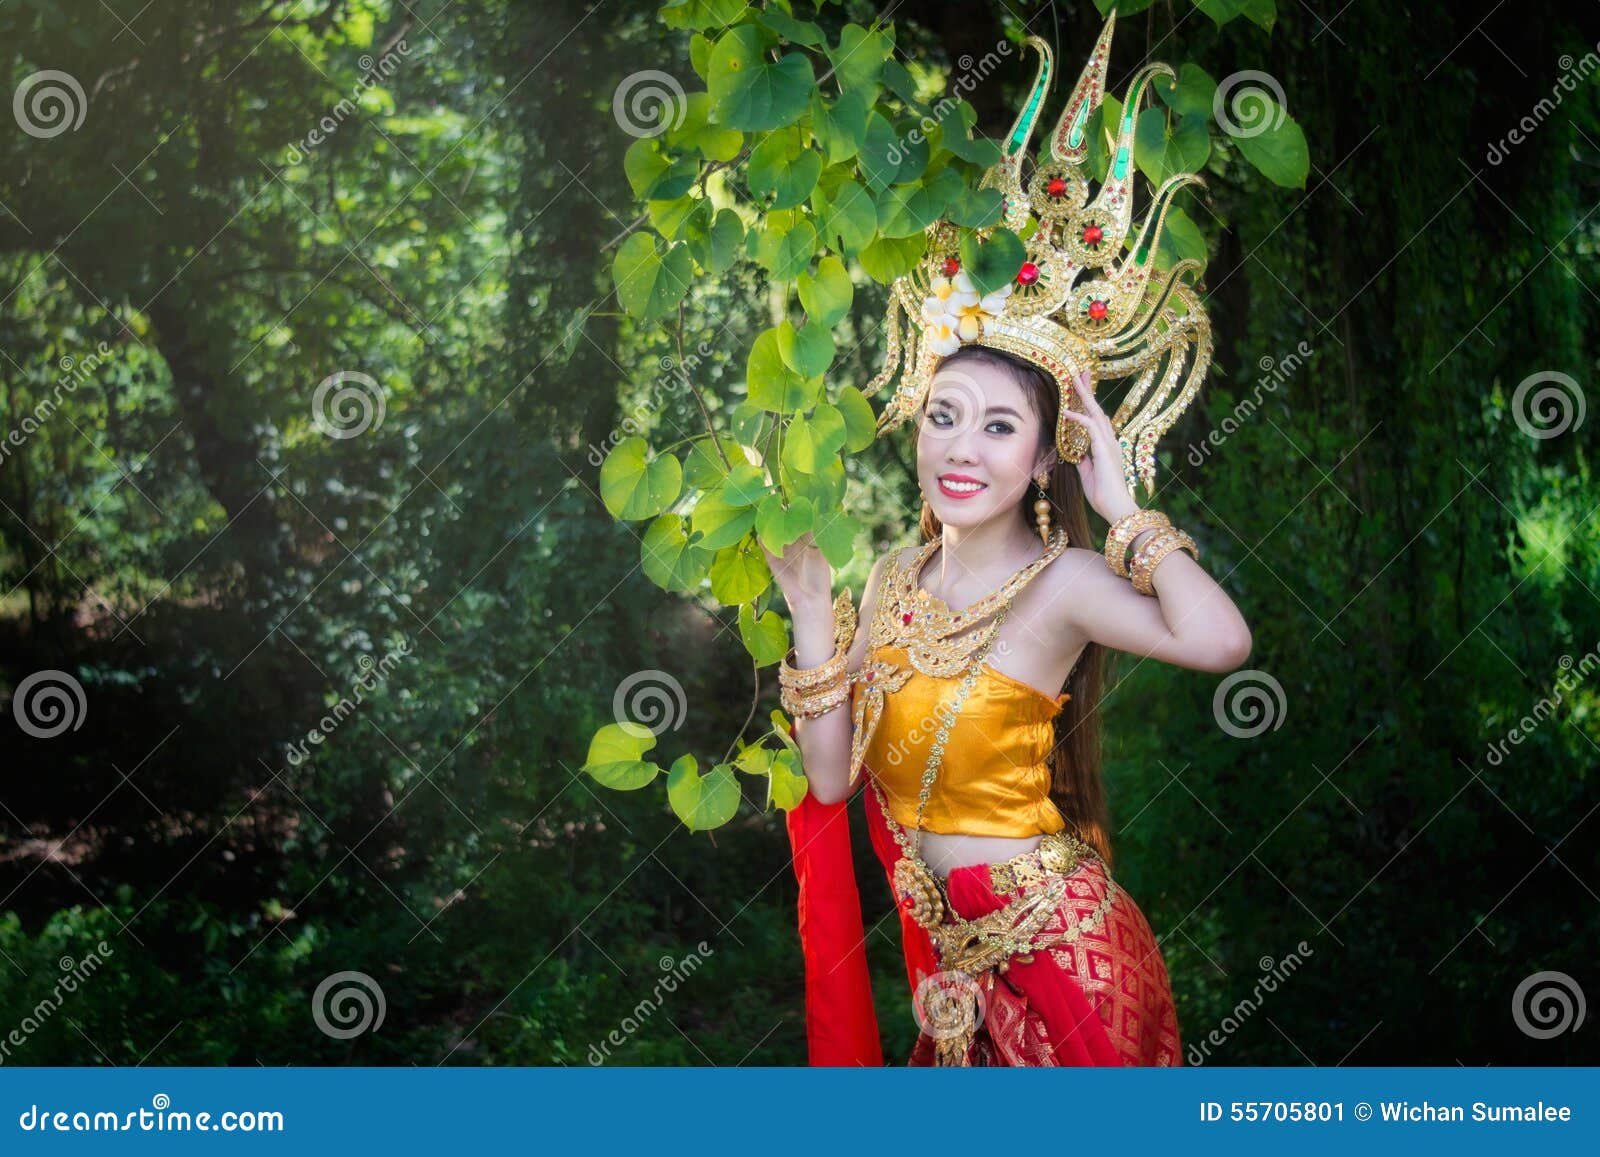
x,y
803,573
1100,470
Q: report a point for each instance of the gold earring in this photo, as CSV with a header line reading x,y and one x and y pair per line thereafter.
x,y
1041,506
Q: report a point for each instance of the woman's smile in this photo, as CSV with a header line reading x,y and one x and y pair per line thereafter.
x,y
960,486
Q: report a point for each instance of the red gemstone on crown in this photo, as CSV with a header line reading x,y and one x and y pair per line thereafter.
x,y
1092,234
951,266
1056,187
1097,310
906,618
1028,274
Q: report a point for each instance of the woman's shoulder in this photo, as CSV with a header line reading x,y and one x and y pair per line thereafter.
x,y
1069,574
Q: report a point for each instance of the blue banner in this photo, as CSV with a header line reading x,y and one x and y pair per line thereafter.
x,y
705,1111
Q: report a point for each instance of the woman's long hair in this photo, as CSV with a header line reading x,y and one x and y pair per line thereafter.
x,y
1076,786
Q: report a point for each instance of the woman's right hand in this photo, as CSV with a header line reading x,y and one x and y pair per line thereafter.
x,y
803,573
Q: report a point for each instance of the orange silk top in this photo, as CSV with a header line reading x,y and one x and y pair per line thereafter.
x,y
993,779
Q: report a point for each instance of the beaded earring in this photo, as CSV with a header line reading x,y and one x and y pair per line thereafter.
x,y
1041,505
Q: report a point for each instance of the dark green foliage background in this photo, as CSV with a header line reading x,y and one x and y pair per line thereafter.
x,y
210,568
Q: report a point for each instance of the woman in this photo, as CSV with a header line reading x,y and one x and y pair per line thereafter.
x,y
985,802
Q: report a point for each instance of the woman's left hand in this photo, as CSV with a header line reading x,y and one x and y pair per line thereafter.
x,y
1100,471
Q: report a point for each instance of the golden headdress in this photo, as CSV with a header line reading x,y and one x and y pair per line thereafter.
x,y
1079,301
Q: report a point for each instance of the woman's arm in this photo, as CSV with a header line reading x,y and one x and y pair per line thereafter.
x,y
825,741
1191,622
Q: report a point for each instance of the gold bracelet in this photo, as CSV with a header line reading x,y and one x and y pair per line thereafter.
x,y
1151,554
818,703
1123,531
811,678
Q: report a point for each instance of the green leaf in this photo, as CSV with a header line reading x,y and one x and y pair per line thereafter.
x,y
746,485
667,558
859,57
836,538
807,351
1181,240
719,522
780,728
1221,11
739,573
783,170
907,209
915,150
994,263
890,257
1192,93
785,253
849,218
766,638
754,759
650,285
695,132
654,176
717,249
826,297
824,486
700,53
881,153
778,525
1270,139
701,13
811,443
635,486
615,752
788,785
751,93
800,31
704,468
1161,149
976,208
860,426
702,802
673,219
772,384
840,128
956,137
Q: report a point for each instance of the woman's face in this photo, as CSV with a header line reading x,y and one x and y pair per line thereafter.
x,y
978,444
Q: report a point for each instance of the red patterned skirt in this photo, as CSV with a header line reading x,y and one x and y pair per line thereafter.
x,y
1102,999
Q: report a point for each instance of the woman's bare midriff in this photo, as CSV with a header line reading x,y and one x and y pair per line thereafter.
x,y
945,853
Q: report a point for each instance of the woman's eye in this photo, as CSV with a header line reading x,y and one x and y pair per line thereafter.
x,y
1005,427
940,417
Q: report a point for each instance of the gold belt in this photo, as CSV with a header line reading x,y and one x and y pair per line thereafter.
x,y
1057,852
